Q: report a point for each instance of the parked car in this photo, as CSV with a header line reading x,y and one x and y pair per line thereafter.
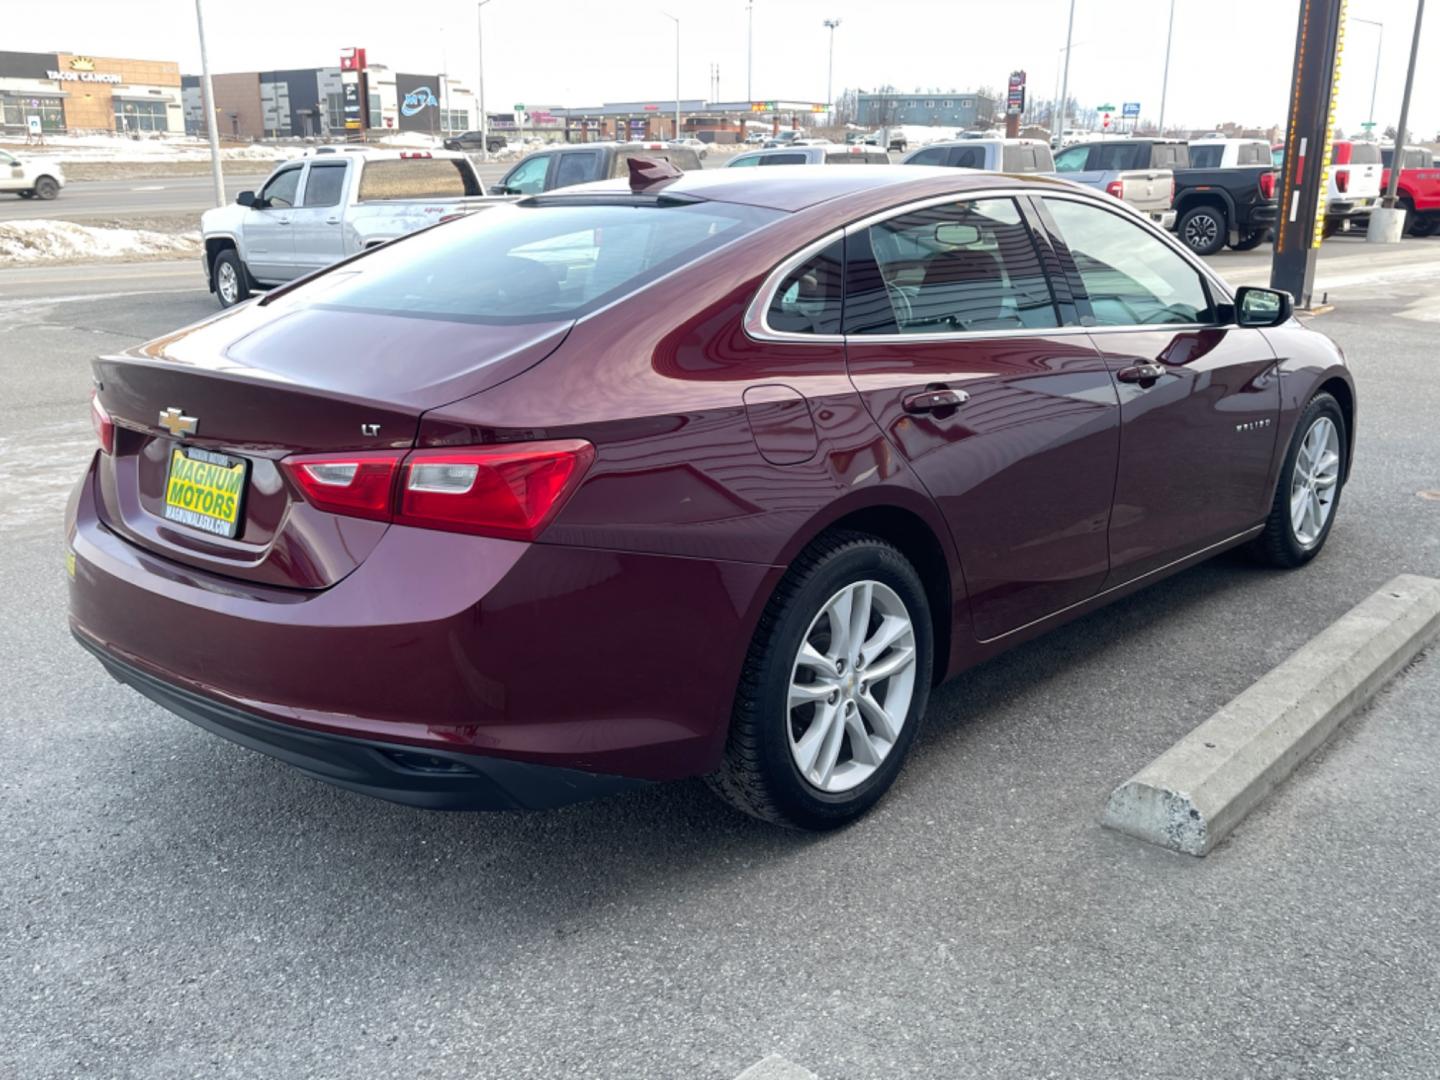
x,y
862,138
783,138
1418,189
317,210
1137,171
828,154
770,458
992,155
472,141
1354,186
566,165
700,147
1223,153
1069,137
29,177
756,138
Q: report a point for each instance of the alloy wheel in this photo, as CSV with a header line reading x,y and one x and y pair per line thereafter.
x,y
851,686
1314,481
227,282
1201,230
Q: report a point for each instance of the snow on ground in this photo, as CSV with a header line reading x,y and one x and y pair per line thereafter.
x,y
33,240
67,148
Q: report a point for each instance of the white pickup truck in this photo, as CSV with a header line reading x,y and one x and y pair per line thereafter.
x,y
317,210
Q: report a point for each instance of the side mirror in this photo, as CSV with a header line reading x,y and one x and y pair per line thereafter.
x,y
1262,307
245,198
499,189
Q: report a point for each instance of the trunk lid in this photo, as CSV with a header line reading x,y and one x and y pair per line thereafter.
x,y
1147,189
257,384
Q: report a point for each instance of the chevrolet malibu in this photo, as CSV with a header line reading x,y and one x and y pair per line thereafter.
x,y
707,475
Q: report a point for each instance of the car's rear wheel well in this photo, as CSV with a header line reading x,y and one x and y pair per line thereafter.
x,y
1186,203
1339,389
918,543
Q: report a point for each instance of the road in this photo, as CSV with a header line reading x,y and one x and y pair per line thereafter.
x,y
176,906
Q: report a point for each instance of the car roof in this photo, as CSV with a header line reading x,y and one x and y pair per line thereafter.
x,y
796,187
986,141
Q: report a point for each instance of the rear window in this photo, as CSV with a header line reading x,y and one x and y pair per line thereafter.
x,y
1253,154
518,264
1364,154
417,178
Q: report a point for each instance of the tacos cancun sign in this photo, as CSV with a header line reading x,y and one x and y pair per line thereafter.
x,y
83,76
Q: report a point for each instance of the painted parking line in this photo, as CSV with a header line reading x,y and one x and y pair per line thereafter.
x,y
775,1067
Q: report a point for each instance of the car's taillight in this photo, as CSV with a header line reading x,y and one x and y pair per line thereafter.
x,y
1342,180
1267,185
1172,191
1116,188
506,491
511,491
104,426
361,484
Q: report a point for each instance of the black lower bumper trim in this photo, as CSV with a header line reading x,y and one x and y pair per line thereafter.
x,y
413,775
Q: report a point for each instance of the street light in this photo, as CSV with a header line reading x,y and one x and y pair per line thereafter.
x,y
210,110
831,24
676,20
1165,79
749,50
480,82
1375,85
1059,136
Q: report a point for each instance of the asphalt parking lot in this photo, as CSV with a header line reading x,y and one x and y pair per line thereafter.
x,y
175,906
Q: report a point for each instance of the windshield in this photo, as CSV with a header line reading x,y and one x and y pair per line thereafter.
x,y
516,264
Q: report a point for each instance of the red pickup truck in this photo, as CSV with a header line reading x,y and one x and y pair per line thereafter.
x,y
1418,192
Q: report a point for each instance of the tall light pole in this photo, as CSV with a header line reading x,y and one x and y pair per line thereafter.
x,y
480,80
1398,154
831,24
1375,85
1165,79
750,51
676,20
211,116
1065,79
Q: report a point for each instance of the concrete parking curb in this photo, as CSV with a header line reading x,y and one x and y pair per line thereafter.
x,y
1192,795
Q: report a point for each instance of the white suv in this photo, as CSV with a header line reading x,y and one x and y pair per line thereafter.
x,y
30,177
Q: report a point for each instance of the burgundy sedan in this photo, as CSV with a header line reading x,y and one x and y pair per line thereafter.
x,y
713,476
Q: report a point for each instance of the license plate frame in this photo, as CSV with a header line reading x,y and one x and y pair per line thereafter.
x,y
209,495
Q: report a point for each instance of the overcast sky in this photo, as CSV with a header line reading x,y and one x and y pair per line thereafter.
x,y
582,52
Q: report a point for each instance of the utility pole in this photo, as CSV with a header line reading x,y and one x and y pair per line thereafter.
x,y
480,80
676,20
1165,80
210,114
1399,152
750,51
831,24
1059,134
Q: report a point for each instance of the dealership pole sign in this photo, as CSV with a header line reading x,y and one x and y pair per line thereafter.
x,y
1015,99
354,89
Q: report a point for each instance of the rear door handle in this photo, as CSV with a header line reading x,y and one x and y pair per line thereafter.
x,y
332,221
930,400
1141,373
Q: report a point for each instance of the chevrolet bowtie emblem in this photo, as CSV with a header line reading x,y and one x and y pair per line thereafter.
x,y
173,421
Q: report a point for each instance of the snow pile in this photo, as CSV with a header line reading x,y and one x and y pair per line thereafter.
x,y
41,239
403,139
923,135
76,148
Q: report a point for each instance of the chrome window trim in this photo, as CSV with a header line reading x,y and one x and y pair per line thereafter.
x,y
757,328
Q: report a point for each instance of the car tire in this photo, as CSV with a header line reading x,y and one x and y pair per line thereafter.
x,y
1251,240
232,281
1424,224
1292,536
803,678
1203,229
46,188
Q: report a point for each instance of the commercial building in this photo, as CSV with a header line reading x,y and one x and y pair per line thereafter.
x,y
713,121
68,92
950,109
310,102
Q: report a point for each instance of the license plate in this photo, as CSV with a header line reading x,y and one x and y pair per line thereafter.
x,y
205,490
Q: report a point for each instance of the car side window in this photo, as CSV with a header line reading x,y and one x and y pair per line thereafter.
x,y
967,157
528,178
1110,156
747,161
577,168
1131,277
783,159
1250,154
1207,157
963,267
931,155
1072,160
808,300
324,184
6,159
279,191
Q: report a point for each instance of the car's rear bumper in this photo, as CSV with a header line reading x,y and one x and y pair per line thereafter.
x,y
1163,218
1263,216
432,778
1341,208
585,659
